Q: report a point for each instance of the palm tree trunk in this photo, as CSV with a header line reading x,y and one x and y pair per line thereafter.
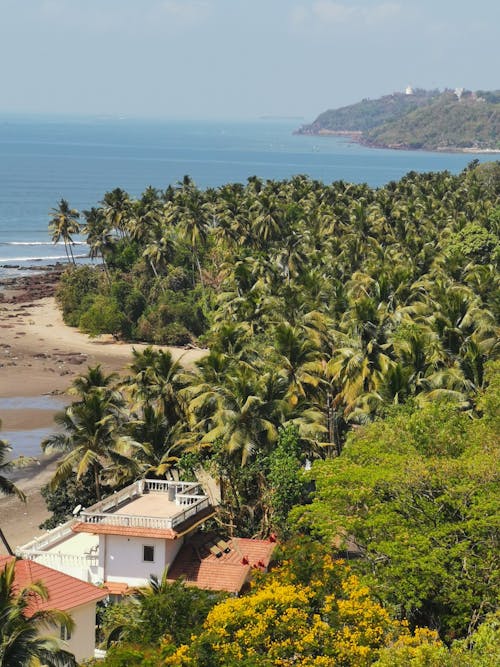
x,y
157,276
6,544
96,482
199,271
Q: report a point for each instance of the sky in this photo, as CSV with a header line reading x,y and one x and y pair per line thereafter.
x,y
237,59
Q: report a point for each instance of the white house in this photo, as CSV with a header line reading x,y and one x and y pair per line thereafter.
x,y
65,593
139,531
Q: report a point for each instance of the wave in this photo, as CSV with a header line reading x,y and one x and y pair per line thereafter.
x,y
46,258
35,243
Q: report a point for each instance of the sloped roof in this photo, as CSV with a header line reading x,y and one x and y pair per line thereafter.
x,y
118,588
198,566
65,592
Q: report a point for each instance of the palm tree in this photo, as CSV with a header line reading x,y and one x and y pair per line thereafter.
x,y
22,642
192,224
93,379
299,359
64,222
91,432
7,487
157,444
246,419
99,236
157,379
117,210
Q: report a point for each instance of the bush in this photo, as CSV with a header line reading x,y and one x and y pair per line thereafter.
x,y
104,316
77,285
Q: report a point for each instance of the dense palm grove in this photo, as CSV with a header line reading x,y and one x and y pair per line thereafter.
x,y
324,308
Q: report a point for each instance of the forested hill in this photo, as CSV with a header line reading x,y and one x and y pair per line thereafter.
x,y
422,120
368,114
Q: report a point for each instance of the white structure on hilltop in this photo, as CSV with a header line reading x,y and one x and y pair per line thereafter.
x,y
142,530
408,90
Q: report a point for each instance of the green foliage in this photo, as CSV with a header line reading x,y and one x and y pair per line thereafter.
x,y
445,123
103,316
77,285
287,486
63,500
159,609
328,307
242,490
174,319
123,256
416,493
424,120
368,114
7,486
477,243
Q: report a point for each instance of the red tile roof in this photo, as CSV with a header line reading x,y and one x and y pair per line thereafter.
x,y
65,592
118,588
198,566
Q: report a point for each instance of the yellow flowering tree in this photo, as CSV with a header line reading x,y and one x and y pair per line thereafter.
x,y
332,620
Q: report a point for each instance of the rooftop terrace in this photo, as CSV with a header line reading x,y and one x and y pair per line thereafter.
x,y
146,508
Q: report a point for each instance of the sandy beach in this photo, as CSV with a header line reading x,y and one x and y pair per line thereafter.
x,y
40,356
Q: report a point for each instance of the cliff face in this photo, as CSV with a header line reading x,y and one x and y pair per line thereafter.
x,y
423,120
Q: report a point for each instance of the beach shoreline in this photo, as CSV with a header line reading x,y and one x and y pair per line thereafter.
x,y
39,357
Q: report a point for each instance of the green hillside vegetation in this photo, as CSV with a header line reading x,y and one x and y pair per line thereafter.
x,y
445,123
351,327
430,121
367,114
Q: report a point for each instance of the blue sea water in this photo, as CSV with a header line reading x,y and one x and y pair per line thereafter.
x,y
43,159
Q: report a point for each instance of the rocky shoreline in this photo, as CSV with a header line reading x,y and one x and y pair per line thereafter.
x,y
39,284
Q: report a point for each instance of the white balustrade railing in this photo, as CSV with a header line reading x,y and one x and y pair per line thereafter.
x,y
47,557
188,495
52,537
195,504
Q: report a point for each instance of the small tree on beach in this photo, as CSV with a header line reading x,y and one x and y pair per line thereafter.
x,y
64,223
7,487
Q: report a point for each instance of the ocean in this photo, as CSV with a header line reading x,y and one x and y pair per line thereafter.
x,y
44,159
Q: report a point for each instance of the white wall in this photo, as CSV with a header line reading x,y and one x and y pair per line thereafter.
x,y
123,558
82,641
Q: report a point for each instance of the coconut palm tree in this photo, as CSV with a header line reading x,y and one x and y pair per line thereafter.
x,y
157,379
156,445
64,223
23,642
91,430
192,224
117,208
246,414
7,487
99,236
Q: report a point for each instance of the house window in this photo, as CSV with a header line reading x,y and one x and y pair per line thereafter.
x,y
148,554
65,634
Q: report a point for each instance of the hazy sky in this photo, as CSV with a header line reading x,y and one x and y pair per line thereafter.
x,y
237,58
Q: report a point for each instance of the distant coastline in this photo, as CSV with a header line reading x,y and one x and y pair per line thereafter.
x,y
357,137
